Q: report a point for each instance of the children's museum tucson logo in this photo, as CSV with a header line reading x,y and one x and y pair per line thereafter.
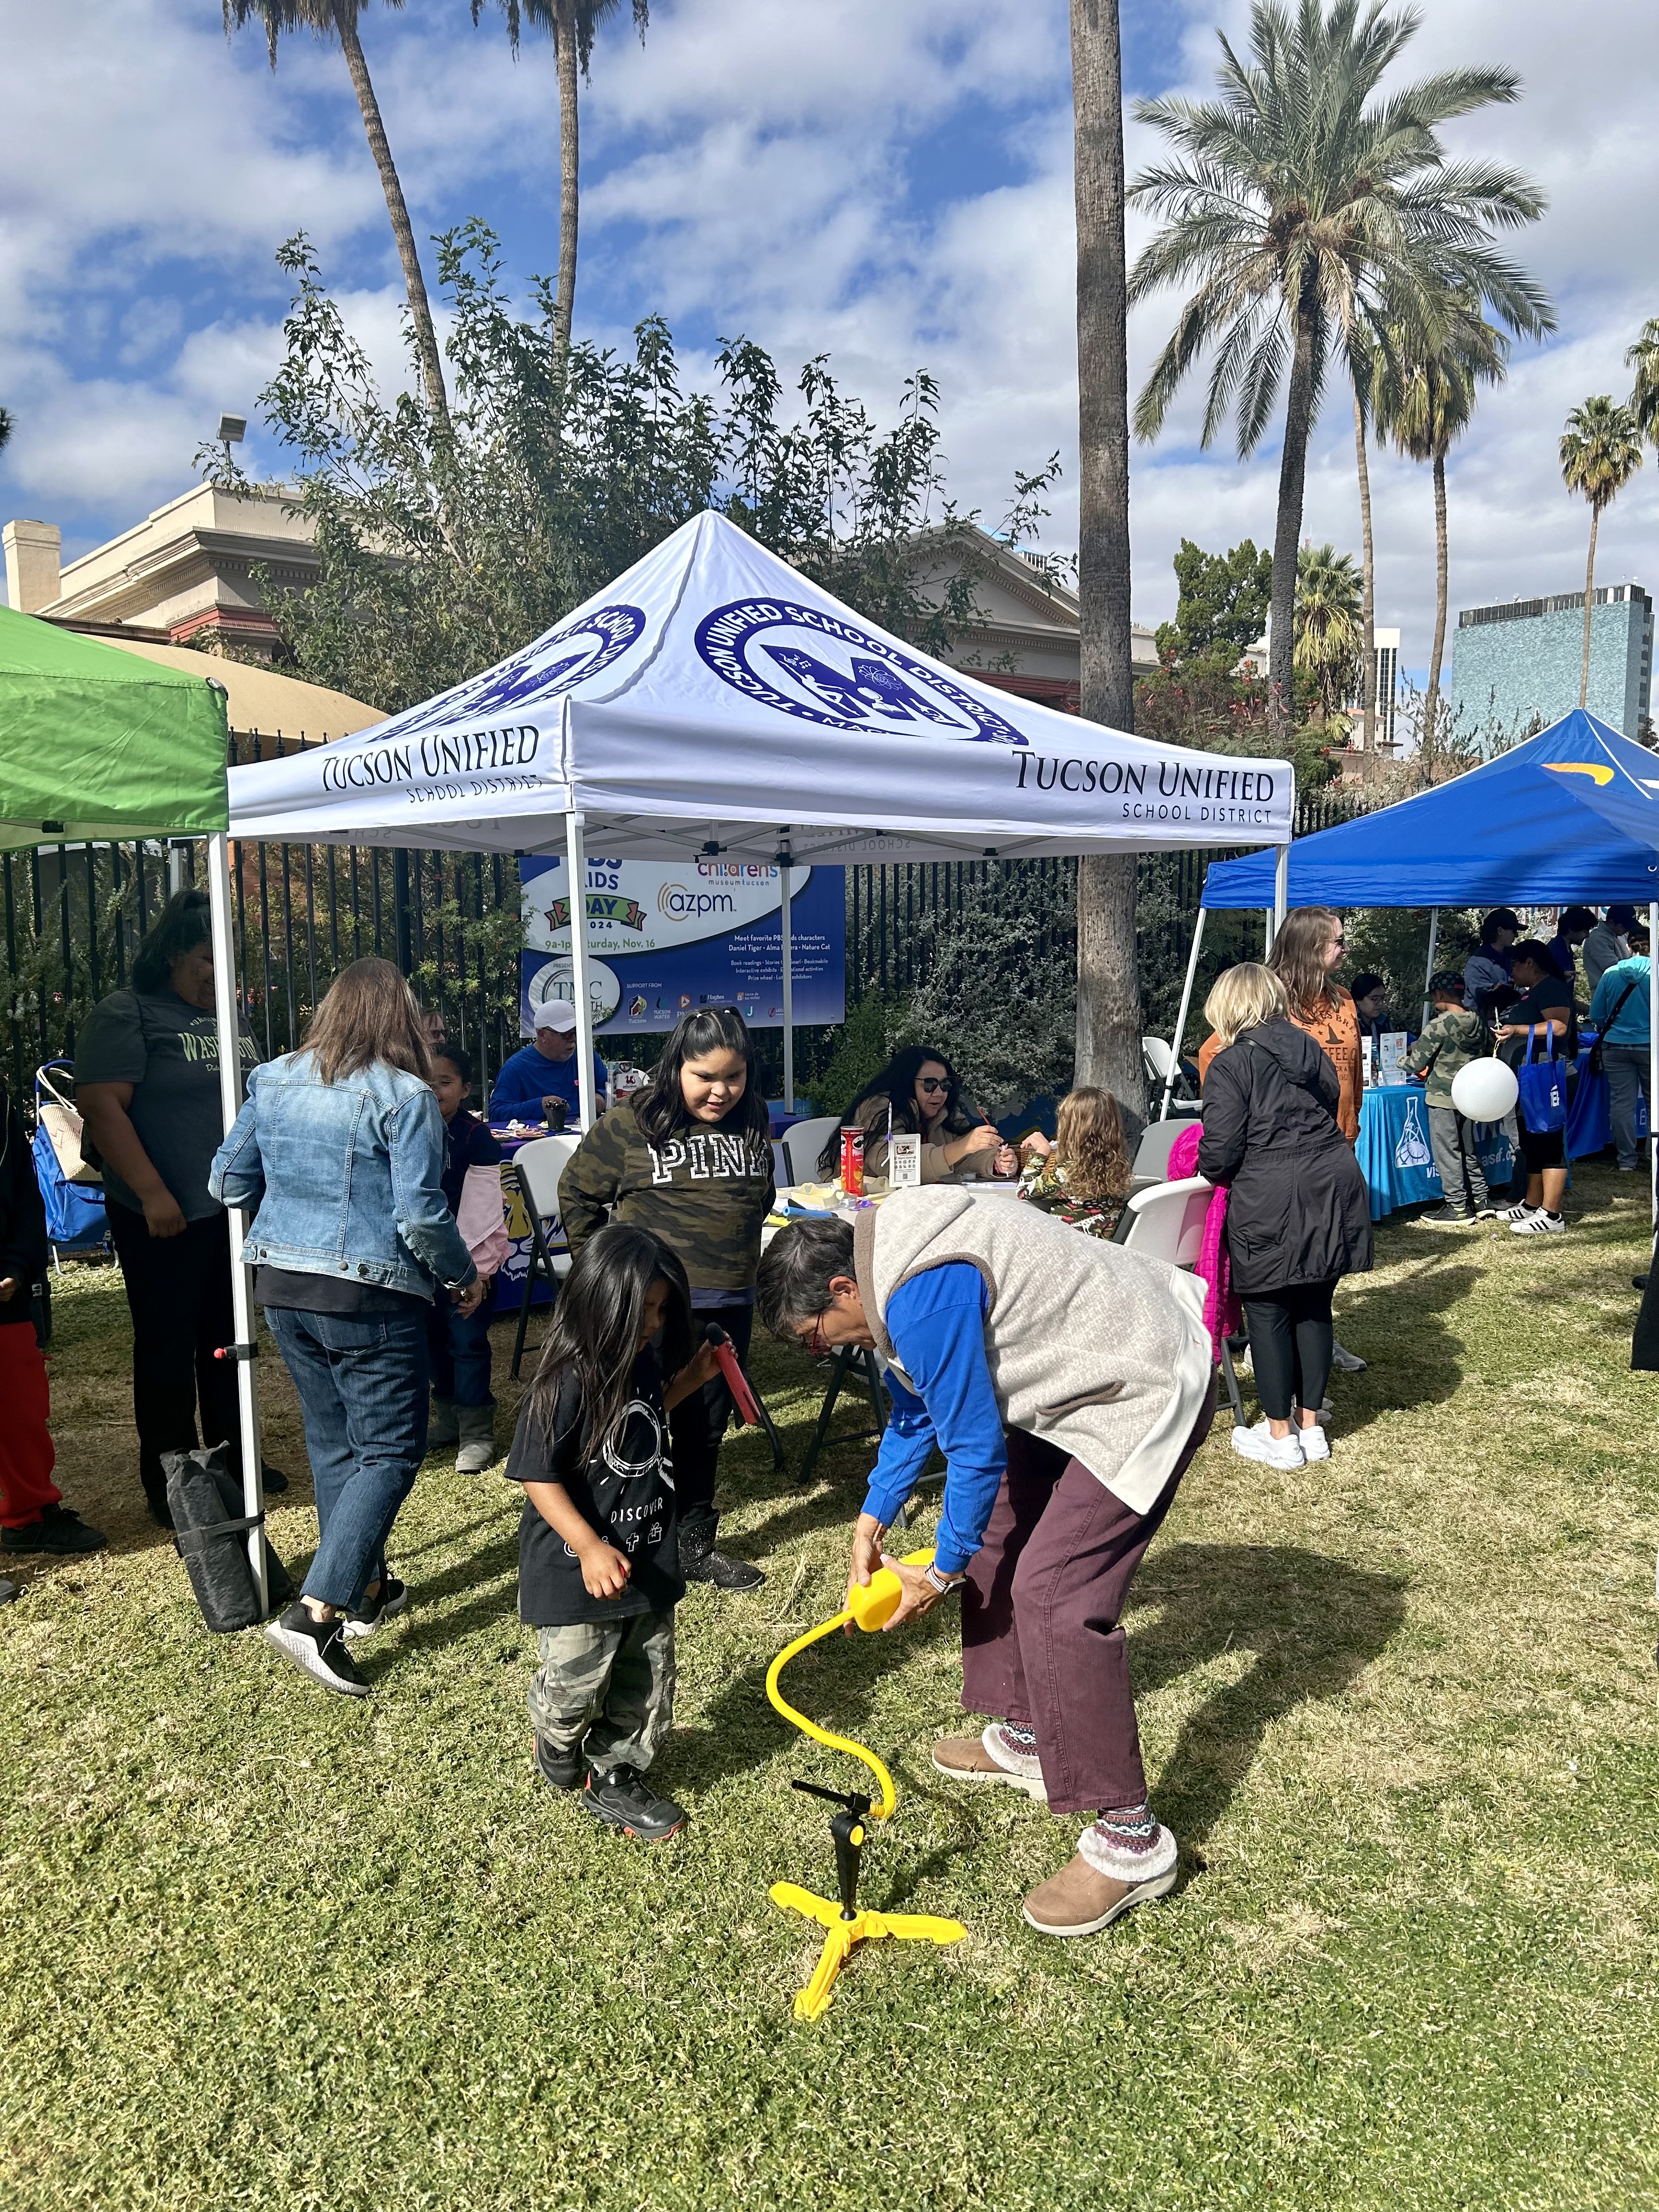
x,y
805,662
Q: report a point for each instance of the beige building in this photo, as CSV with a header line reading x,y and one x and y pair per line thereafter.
x,y
183,576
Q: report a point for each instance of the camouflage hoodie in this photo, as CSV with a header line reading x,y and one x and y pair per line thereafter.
x,y
705,1192
1450,1041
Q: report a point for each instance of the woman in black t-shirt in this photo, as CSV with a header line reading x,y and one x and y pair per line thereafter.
x,y
1541,1022
146,1082
599,1542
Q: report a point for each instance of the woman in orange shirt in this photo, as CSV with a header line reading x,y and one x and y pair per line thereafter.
x,y
1308,947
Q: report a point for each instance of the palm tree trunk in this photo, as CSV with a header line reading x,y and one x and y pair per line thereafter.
x,y
1287,530
564,308
420,309
1368,583
1108,975
1431,698
1590,601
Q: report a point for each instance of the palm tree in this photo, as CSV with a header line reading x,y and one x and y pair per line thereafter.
x,y
338,20
1423,397
1327,645
1643,358
571,24
1299,202
1107,977
1601,451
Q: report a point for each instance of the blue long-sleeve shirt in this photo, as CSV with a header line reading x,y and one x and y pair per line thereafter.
x,y
1626,980
529,1077
937,1323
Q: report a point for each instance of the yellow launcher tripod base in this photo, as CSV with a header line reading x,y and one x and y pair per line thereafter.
x,y
847,1924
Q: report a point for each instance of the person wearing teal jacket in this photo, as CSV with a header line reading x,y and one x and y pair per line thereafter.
x,y
1619,1015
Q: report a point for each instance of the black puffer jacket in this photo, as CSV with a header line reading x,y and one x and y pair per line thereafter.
x,y
1297,1211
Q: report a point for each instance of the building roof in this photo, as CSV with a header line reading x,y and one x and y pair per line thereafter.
x,y
261,699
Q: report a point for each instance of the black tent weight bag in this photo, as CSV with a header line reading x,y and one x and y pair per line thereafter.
x,y
210,1530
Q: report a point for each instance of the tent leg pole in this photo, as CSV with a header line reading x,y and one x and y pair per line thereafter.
x,y
1181,1018
576,860
1653,1056
1428,972
230,1102
1281,886
788,998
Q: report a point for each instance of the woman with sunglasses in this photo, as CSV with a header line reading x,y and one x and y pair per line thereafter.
x,y
919,1093
1310,945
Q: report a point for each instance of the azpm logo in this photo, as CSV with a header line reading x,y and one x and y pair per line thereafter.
x,y
687,903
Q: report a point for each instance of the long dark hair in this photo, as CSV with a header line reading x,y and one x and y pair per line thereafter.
x,y
660,1110
896,1084
180,926
594,1334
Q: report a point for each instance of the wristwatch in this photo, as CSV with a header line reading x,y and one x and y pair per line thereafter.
x,y
942,1582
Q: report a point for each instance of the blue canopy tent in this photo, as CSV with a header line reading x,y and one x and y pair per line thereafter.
x,y
1570,817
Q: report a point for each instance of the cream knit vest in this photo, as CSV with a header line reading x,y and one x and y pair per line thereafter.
x,y
1099,1352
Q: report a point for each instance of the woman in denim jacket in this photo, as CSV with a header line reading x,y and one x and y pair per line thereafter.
x,y
340,1148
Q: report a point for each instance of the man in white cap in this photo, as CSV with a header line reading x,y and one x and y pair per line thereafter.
x,y
536,1082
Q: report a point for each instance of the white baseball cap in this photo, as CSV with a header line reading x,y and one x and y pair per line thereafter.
x,y
556,1014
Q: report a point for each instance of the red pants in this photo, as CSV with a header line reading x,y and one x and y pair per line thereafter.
x,y
25,1447
1041,1643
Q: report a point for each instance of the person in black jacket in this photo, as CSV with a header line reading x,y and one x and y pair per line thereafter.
x,y
33,1515
1297,1215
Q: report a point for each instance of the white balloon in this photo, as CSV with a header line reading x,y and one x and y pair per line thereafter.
x,y
1484,1090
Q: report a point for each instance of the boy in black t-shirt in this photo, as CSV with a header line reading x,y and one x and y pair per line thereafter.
x,y
598,1541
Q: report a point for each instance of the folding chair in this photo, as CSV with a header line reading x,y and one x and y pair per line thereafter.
x,y
803,1143
538,1166
846,1361
1151,1160
1167,1223
1157,1056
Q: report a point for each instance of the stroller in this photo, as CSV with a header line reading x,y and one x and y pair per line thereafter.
x,y
72,1191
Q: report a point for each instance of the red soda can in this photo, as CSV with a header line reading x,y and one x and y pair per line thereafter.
x,y
852,1162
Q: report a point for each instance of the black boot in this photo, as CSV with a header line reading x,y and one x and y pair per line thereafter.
x,y
701,1563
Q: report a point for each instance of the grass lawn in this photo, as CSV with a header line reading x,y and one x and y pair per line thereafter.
x,y
270,1947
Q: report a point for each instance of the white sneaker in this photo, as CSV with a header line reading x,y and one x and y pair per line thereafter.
x,y
1314,1443
1345,1362
1537,1223
1260,1443
1520,1212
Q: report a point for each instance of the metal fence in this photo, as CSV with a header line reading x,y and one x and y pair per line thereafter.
x,y
74,916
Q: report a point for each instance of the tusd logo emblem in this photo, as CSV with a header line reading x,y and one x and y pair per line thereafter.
x,y
546,668
816,665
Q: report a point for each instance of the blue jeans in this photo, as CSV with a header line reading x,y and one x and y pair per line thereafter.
x,y
361,1384
457,1350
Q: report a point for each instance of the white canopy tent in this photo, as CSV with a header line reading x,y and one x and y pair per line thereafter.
x,y
713,704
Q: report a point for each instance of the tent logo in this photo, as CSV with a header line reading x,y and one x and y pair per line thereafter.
x,y
539,670
816,665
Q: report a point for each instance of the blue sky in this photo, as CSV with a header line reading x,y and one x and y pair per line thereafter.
x,y
886,180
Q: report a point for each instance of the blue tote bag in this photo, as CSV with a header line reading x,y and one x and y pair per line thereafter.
x,y
1543,1090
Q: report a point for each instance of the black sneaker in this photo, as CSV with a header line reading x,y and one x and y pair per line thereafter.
x,y
317,1647
560,1769
273,1479
701,1563
1446,1216
392,1598
8,1591
622,1799
58,1530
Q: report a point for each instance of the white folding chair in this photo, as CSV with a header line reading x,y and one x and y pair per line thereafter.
x,y
1158,1057
1167,1223
1151,1160
538,1166
803,1143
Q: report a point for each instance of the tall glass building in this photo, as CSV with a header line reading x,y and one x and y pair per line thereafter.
x,y
1518,666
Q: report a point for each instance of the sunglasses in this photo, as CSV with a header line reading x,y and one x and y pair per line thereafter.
x,y
932,1083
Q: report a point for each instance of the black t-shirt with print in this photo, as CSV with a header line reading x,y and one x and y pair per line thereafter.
x,y
169,1051
625,1492
1550,999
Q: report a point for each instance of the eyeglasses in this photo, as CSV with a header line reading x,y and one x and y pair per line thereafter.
x,y
932,1083
815,1343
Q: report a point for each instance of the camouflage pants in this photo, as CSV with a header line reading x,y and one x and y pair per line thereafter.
x,y
615,1679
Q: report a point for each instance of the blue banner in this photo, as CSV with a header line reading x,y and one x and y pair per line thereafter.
x,y
663,939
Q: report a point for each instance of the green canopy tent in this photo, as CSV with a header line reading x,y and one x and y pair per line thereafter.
x,y
98,745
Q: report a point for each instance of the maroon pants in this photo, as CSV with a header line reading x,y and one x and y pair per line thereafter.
x,y
25,1447
1041,1643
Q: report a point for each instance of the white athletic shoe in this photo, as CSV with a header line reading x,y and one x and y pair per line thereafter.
x,y
1314,1443
1537,1223
1260,1443
1520,1212
1345,1362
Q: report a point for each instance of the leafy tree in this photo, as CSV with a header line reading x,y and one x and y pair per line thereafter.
x,y
337,19
435,564
1221,609
1643,358
1601,451
1301,202
571,24
1327,626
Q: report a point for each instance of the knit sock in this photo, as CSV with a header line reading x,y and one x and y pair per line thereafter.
x,y
1012,1744
1128,1844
